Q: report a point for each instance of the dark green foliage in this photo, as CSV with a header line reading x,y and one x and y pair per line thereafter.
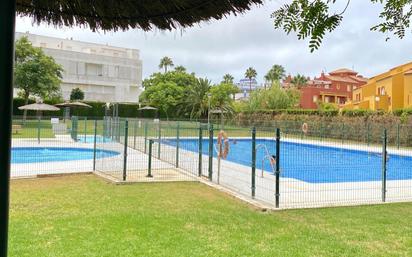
x,y
125,110
396,15
299,81
399,112
309,19
228,79
76,94
313,19
195,102
166,62
35,74
275,74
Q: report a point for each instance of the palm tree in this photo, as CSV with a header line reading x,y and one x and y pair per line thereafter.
x,y
299,81
196,100
165,62
250,74
228,79
276,73
180,69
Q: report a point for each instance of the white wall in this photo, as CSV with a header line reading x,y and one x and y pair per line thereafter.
x,y
104,73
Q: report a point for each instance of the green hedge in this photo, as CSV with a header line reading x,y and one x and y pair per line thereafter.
x,y
296,112
400,112
97,110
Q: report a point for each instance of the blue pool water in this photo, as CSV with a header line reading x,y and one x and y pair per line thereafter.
x,y
54,154
314,164
90,139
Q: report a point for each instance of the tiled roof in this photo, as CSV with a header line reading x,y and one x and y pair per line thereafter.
x,y
341,79
339,71
359,79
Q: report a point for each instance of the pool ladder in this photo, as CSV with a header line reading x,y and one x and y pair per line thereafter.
x,y
267,156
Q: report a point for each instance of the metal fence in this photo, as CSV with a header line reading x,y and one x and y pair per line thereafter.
x,y
44,146
285,168
281,165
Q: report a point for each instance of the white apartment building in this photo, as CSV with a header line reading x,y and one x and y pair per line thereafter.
x,y
104,73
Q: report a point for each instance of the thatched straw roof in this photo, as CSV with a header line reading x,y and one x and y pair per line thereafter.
x,y
125,14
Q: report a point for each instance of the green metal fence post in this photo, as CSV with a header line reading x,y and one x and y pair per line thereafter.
x,y
253,162
126,128
384,162
177,144
210,168
104,134
149,168
38,129
200,149
85,128
159,139
94,145
118,130
145,136
398,136
368,133
134,134
321,131
277,171
74,128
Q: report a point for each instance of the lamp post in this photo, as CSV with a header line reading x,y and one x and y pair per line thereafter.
x,y
107,109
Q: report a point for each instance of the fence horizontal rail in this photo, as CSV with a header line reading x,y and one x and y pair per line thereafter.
x,y
284,166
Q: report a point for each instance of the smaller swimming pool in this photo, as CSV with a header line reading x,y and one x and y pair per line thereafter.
x,y
55,154
90,139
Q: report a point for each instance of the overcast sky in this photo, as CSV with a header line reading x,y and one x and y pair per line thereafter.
x,y
232,45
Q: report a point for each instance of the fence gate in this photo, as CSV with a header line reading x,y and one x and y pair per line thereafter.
x,y
110,138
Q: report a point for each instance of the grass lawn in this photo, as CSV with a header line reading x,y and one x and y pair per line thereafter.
x,y
85,216
29,129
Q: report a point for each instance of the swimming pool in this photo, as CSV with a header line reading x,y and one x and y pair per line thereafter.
x,y
55,154
90,139
313,163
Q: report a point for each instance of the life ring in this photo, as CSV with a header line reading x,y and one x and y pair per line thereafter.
x,y
223,140
305,128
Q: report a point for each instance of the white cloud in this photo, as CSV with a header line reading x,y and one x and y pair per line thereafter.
x,y
233,44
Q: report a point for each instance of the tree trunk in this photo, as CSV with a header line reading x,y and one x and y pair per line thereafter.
x,y
250,87
26,102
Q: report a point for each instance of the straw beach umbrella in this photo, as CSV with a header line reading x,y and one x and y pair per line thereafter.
x,y
98,15
74,104
39,107
69,105
149,108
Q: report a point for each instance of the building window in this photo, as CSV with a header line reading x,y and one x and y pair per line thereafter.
x,y
315,98
93,69
348,88
381,90
337,86
327,86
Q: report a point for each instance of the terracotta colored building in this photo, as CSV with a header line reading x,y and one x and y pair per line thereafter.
x,y
335,87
